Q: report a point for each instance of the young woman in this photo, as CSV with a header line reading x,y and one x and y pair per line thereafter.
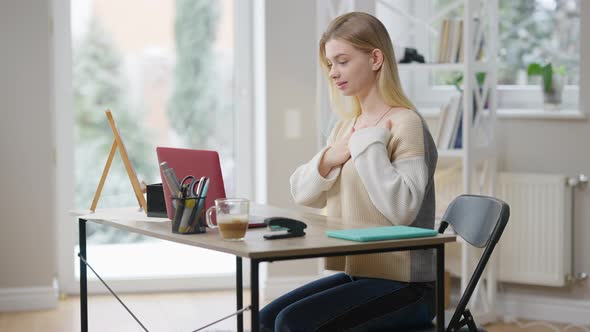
x,y
376,170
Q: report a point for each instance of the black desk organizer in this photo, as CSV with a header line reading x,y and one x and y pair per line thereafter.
x,y
156,206
195,222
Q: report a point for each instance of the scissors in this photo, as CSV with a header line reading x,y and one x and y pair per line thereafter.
x,y
190,186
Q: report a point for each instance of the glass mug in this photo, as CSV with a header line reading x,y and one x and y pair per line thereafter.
x,y
232,217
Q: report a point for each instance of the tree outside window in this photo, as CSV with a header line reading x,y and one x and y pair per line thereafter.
x,y
542,31
168,82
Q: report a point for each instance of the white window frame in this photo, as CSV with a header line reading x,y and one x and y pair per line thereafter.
x,y
66,225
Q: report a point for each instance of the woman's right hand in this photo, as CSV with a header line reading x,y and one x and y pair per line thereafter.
x,y
335,155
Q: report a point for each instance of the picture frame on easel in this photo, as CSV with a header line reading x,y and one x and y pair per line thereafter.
x,y
119,145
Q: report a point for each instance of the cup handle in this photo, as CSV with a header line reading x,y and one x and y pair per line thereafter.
x,y
208,214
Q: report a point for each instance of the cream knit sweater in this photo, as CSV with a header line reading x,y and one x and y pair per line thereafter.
x,y
387,181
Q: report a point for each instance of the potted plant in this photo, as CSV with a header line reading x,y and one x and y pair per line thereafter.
x,y
551,81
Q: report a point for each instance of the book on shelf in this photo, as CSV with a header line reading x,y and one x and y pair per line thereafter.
x,y
456,125
441,120
475,121
458,141
478,39
448,122
443,41
457,136
451,31
451,41
457,37
450,125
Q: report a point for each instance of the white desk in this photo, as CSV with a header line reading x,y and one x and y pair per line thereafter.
x,y
257,249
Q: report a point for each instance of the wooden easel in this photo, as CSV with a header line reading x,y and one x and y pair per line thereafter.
x,y
118,143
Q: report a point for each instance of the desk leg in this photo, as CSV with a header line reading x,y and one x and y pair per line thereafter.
x,y
83,279
440,288
239,293
254,293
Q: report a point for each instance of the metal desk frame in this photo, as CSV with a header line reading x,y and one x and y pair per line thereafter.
x,y
254,278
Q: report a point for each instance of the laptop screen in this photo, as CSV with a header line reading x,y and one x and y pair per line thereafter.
x,y
197,163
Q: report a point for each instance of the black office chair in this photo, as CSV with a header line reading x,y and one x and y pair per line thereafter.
x,y
479,220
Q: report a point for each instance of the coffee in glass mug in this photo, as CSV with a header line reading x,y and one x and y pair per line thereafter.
x,y
232,217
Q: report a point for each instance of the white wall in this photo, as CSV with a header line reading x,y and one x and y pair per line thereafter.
x,y
27,241
291,59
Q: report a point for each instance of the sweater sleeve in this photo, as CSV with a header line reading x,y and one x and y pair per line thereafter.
x,y
308,186
396,187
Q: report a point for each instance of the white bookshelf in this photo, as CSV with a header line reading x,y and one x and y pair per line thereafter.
x,y
476,159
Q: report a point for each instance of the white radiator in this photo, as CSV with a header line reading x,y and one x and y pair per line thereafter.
x,y
536,245
535,248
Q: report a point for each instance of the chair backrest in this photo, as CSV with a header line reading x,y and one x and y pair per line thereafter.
x,y
479,220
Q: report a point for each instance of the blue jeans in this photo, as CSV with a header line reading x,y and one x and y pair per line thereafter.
x,y
343,303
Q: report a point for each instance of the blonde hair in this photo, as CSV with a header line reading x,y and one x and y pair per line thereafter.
x,y
366,33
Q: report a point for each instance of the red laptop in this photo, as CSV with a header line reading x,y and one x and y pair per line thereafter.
x,y
197,163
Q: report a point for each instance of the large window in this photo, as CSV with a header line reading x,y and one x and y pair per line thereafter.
x,y
540,31
165,69
529,31
543,32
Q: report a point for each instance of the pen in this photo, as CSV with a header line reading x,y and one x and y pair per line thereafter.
x,y
203,194
178,212
196,218
186,214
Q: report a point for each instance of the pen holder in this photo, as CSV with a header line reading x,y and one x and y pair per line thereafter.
x,y
189,215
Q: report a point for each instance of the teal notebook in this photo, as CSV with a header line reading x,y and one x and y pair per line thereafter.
x,y
381,233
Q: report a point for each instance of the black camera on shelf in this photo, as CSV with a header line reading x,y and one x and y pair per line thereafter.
x,y
411,55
